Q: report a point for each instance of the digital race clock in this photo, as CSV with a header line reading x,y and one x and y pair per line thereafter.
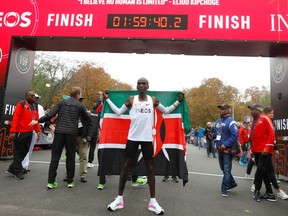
x,y
147,21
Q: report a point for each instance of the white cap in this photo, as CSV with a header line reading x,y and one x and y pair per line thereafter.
x,y
37,96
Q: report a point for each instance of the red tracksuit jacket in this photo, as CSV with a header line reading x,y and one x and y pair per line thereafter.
x,y
243,135
263,135
23,115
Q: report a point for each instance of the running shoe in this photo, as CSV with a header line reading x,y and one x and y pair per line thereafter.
x,y
174,179
90,165
101,186
156,208
17,175
269,197
257,196
282,195
139,182
71,185
115,205
224,194
64,158
52,185
242,163
165,179
83,179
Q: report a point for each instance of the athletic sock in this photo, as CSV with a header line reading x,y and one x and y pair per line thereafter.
x,y
119,198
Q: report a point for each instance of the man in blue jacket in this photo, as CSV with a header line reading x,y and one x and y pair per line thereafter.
x,y
225,135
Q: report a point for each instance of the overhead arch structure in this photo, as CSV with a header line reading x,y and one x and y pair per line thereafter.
x,y
189,27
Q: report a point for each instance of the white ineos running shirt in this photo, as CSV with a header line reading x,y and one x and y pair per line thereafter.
x,y
141,115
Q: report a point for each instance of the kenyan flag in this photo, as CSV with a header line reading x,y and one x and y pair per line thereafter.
x,y
168,133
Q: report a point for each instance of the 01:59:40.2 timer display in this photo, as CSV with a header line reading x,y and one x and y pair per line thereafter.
x,y
147,21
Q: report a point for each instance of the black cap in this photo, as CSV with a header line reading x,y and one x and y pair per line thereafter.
x,y
224,106
256,106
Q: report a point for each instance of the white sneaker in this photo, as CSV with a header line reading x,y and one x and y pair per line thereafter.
x,y
282,195
115,205
156,208
90,165
253,188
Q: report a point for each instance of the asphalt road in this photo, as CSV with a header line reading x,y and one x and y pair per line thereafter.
x,y
200,197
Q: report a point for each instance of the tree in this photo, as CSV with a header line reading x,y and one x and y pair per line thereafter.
x,y
258,95
92,79
203,101
51,74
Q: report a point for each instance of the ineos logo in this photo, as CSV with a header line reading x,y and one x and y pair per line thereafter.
x,y
22,61
279,70
12,19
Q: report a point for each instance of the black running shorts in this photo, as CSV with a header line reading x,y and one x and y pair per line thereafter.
x,y
132,149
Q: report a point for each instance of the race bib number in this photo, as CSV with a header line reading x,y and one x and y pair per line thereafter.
x,y
218,138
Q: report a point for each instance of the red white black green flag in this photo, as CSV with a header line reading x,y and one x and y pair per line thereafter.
x,y
169,137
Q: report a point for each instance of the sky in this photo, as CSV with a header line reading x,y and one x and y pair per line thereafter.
x,y
166,72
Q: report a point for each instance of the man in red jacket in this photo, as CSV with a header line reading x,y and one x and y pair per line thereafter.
x,y
21,133
262,146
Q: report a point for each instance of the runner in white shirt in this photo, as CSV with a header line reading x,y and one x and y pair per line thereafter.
x,y
140,133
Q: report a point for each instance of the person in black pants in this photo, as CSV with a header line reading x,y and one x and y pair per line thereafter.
x,y
210,142
69,110
95,116
268,111
262,138
21,132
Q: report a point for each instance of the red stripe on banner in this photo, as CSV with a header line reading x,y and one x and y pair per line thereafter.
x,y
114,131
174,132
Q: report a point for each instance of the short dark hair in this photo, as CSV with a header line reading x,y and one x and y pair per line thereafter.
x,y
28,92
267,110
75,90
143,79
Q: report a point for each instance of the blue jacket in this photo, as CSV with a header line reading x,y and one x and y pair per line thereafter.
x,y
201,132
227,128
